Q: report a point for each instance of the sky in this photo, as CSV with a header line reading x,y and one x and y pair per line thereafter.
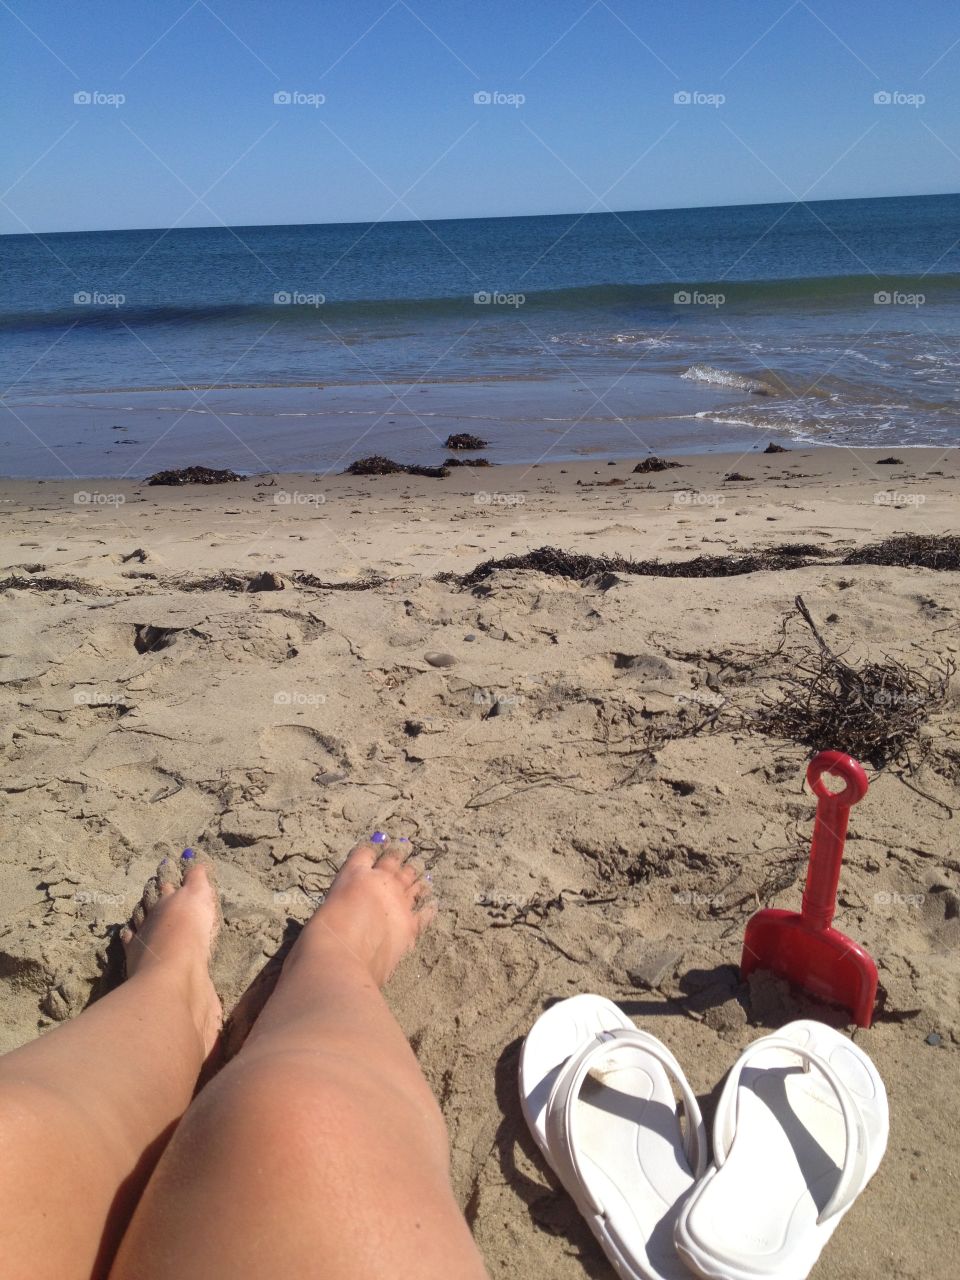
x,y
236,112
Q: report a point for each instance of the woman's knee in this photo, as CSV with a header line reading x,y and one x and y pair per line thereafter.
x,y
315,1104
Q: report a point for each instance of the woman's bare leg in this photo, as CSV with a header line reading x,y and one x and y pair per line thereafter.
x,y
319,1150
86,1110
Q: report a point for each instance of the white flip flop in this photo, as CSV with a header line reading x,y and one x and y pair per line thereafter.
x,y
800,1129
597,1096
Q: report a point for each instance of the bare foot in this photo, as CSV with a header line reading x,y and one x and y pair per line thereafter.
x,y
376,909
171,934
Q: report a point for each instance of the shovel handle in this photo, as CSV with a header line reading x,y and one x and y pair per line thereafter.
x,y
829,832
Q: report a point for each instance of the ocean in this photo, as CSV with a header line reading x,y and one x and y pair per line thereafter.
x,y
601,335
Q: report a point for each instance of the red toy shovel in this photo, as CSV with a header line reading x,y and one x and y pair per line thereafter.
x,y
802,947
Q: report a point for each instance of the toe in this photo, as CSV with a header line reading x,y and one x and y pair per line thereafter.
x,y
151,893
421,890
391,859
196,876
394,855
361,855
411,871
127,935
425,916
168,873
138,917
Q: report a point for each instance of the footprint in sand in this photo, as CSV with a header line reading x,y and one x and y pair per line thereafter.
x,y
295,756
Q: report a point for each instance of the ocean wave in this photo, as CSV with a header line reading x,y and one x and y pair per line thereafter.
x,y
811,293
726,378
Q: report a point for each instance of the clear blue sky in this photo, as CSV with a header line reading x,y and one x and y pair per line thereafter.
x,y
399,134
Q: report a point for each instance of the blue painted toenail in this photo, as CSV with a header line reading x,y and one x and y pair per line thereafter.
x,y
188,853
379,837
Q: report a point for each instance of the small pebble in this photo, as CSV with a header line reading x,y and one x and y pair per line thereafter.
x,y
470,637
440,659
935,1039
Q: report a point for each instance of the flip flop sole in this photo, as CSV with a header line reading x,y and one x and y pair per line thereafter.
x,y
629,1141
756,1217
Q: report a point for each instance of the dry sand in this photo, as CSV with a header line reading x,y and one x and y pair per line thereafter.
x,y
273,729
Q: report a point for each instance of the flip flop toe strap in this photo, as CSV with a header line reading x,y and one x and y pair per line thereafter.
x,y
561,1120
855,1153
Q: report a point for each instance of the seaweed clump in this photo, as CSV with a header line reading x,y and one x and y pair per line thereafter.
x,y
193,475
874,711
354,584
17,582
919,550
464,440
653,463
376,465
566,564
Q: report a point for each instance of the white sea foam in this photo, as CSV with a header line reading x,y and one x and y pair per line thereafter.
x,y
725,378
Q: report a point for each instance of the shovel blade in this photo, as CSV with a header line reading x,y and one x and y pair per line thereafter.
x,y
824,962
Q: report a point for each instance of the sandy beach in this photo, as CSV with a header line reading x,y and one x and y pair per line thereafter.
x,y
532,735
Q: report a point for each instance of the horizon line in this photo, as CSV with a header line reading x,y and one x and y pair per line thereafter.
x,y
497,217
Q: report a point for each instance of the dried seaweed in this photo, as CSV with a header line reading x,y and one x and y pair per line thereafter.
x,y
464,440
215,582
874,711
772,447
376,465
923,550
468,462
17,582
566,564
355,584
193,475
653,463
